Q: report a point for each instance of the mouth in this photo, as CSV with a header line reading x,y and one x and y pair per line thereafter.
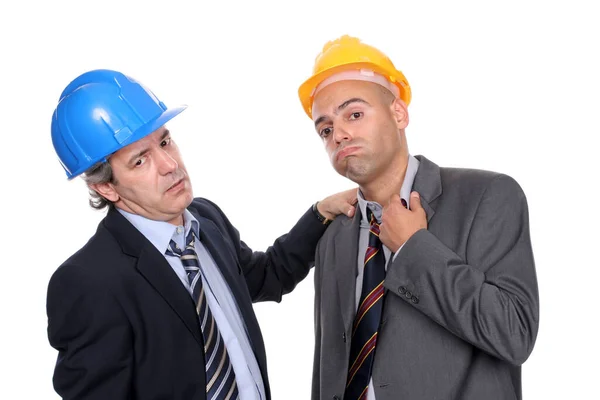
x,y
345,152
176,186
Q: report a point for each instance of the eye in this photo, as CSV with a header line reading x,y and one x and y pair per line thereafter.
x,y
140,162
165,142
325,132
355,115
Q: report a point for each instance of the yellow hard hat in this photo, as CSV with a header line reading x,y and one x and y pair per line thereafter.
x,y
349,53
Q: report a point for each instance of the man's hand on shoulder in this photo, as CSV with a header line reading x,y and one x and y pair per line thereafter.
x,y
398,224
339,203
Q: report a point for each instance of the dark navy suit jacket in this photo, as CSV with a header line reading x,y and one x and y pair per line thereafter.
x,y
126,328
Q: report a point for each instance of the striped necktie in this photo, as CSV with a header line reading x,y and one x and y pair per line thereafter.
x,y
368,317
220,377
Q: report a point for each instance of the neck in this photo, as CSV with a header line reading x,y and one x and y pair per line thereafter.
x,y
177,220
388,183
171,219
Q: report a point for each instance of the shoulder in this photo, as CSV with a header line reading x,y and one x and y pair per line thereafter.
x,y
488,193
206,208
95,264
340,223
478,182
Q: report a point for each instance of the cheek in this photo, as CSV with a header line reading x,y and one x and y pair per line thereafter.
x,y
125,191
330,149
144,187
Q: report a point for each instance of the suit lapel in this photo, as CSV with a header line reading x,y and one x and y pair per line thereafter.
x,y
428,182
160,275
156,270
345,254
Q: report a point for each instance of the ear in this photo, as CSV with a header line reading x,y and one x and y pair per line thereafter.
x,y
106,190
400,112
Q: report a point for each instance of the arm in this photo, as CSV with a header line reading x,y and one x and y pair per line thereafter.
x,y
275,272
272,273
490,299
92,335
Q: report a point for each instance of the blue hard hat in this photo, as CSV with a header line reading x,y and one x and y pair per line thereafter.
x,y
100,112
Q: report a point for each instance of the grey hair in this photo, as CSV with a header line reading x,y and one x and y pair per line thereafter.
x,y
99,173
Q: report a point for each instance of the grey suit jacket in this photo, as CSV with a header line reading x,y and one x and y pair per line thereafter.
x,y
461,303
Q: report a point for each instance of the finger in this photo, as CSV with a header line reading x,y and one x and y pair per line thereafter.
x,y
350,208
351,211
395,199
415,201
352,196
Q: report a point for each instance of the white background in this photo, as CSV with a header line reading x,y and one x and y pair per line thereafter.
x,y
511,86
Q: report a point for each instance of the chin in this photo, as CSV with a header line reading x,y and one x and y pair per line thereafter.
x,y
357,173
187,199
182,201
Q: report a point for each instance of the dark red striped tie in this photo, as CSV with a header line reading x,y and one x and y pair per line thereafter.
x,y
368,316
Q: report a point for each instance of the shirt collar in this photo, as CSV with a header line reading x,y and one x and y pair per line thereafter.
x,y
160,233
376,208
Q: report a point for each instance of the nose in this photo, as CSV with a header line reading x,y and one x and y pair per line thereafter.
x,y
341,133
166,163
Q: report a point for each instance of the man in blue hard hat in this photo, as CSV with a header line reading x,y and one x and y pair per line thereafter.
x,y
158,303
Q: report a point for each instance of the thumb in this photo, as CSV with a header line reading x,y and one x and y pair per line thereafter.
x,y
415,201
351,209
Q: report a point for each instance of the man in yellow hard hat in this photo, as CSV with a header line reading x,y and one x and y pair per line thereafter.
x,y
430,290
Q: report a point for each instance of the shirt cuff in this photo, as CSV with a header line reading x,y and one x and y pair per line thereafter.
x,y
397,252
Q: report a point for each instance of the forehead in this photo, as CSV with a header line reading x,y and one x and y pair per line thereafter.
x,y
144,142
332,96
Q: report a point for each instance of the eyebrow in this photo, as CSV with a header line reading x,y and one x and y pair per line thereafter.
x,y
144,151
341,107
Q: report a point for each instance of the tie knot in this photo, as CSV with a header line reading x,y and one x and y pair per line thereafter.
x,y
174,250
372,219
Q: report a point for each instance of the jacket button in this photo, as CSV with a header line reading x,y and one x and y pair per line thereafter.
x,y
401,290
415,299
336,398
408,295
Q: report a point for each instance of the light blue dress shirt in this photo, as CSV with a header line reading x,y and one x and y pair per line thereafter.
x,y
220,299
